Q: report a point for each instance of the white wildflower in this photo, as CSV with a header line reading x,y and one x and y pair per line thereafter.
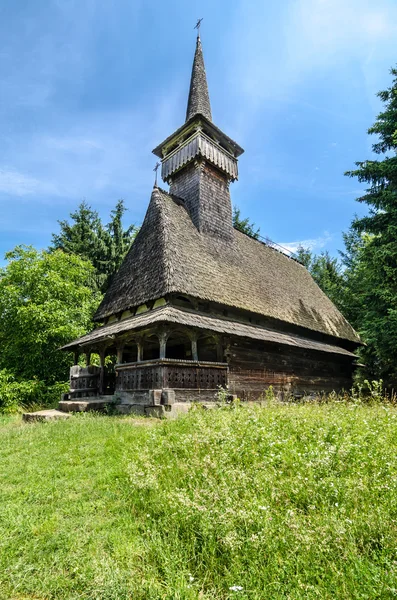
x,y
236,588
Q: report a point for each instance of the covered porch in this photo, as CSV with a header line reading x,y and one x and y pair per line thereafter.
x,y
176,358
170,348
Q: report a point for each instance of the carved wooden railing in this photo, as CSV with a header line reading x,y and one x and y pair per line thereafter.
x,y
84,381
171,373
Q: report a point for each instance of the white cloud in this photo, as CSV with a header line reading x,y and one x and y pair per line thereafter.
x,y
101,157
320,29
72,144
18,184
311,244
306,36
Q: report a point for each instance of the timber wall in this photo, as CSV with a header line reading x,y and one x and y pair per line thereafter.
x,y
199,184
253,367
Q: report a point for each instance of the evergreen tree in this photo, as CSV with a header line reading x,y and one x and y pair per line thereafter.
x,y
103,245
244,225
371,257
119,240
327,273
304,256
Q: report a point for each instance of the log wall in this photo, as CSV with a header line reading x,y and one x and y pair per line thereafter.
x,y
253,367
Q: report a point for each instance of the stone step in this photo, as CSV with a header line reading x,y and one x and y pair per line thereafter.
x,y
45,415
99,403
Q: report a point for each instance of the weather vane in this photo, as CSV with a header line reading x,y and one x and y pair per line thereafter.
x,y
156,168
197,26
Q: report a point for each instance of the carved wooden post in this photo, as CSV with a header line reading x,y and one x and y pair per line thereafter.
x,y
194,348
139,350
120,354
88,358
163,344
219,351
102,373
76,357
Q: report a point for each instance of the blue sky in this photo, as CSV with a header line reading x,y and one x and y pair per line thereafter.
x,y
89,87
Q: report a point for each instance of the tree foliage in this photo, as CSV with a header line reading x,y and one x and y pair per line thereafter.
x,y
364,285
244,225
371,246
16,394
46,299
326,271
105,246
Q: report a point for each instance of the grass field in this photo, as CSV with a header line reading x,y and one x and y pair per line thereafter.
x,y
283,501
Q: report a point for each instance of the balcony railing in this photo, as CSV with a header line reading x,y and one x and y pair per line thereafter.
x,y
171,373
86,381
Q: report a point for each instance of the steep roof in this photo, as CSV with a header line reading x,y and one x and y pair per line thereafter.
x,y
199,99
170,255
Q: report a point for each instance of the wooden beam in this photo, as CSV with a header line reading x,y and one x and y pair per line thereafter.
x,y
102,372
76,357
139,350
163,344
120,354
194,349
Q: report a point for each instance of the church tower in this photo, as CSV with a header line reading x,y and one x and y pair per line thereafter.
x,y
199,161
197,304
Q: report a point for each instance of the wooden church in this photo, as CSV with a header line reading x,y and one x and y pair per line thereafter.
x,y
197,304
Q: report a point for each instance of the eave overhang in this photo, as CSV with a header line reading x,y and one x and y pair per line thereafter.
x,y
176,316
195,123
199,145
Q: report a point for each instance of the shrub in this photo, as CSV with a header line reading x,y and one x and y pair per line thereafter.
x,y
16,395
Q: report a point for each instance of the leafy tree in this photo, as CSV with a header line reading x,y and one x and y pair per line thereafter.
x,y
46,299
372,246
103,245
244,225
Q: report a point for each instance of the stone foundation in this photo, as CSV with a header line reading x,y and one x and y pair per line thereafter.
x,y
164,397
202,396
160,403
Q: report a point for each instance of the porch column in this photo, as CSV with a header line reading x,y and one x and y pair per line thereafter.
x,y
139,351
194,348
88,358
163,344
76,355
219,351
120,354
102,373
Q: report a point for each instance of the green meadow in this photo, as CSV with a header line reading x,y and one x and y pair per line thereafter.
x,y
245,502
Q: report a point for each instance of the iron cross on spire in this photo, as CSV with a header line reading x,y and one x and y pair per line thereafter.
x,y
197,26
156,168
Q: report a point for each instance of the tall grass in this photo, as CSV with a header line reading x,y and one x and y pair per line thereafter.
x,y
283,501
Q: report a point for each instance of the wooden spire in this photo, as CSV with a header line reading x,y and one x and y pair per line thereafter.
x,y
199,100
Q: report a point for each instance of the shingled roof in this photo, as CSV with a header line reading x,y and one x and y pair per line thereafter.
x,y
199,99
169,255
173,315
